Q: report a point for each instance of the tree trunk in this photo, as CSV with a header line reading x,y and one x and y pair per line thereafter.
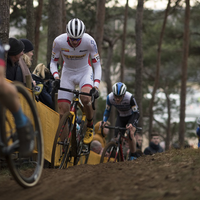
x,y
184,73
38,17
107,75
139,58
157,70
64,19
4,20
30,25
123,43
100,18
54,25
168,128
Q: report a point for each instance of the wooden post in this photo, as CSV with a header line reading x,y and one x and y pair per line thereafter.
x,y
56,102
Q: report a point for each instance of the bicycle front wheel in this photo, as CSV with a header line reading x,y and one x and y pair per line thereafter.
x,y
26,170
61,152
110,153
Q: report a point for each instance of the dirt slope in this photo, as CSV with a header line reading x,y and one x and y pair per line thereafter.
x,y
170,175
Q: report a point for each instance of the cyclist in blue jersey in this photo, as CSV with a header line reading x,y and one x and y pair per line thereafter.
x,y
10,99
198,131
128,113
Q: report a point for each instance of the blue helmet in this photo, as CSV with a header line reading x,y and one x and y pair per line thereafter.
x,y
119,89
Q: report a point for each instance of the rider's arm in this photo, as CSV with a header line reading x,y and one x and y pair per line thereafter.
x,y
133,104
107,110
54,59
135,111
96,63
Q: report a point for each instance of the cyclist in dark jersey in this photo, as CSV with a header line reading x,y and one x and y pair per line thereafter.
x,y
9,98
128,111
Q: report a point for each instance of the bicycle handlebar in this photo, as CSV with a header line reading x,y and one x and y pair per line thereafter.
x,y
77,92
121,128
116,128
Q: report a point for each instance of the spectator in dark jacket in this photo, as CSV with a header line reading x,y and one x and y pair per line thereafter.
x,y
154,146
25,61
13,69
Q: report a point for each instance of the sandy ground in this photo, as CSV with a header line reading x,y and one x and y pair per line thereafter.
x,y
170,175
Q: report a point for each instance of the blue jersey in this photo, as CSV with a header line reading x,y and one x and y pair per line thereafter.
x,y
125,108
198,134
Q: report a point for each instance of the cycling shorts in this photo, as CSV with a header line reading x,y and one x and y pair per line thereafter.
x,y
123,121
71,78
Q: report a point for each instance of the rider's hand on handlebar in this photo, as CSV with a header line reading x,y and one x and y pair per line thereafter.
x,y
56,83
94,92
130,127
102,124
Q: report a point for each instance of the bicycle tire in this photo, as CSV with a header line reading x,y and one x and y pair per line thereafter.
x,y
81,155
60,150
109,153
81,158
26,171
2,124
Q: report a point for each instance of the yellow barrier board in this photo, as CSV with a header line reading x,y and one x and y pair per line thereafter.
x,y
49,120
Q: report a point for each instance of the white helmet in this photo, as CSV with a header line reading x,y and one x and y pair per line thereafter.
x,y
119,89
75,28
198,121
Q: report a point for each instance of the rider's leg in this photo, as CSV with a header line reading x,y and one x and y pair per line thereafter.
x,y
64,107
8,93
86,100
9,98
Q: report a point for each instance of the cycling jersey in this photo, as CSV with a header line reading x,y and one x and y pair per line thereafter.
x,y
125,108
198,134
2,61
76,59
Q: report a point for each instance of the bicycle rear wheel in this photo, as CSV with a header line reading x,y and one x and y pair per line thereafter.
x,y
61,153
110,153
26,170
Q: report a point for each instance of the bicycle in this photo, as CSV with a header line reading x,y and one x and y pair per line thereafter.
x,y
113,151
25,170
68,152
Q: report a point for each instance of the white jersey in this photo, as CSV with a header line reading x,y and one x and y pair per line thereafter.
x,y
125,108
76,59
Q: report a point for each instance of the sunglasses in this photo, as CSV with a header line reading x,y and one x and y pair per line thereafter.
x,y
75,39
118,97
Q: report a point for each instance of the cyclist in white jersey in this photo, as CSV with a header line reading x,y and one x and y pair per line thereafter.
x,y
128,113
77,48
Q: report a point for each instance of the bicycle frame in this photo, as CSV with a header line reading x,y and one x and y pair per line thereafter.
x,y
113,150
119,148
73,143
73,109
